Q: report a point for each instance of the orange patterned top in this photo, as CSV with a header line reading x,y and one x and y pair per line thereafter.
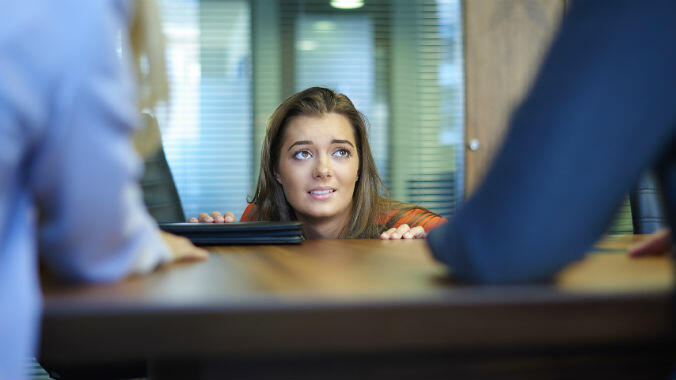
x,y
414,217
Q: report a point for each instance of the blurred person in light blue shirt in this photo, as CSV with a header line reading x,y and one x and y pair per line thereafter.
x,y
68,172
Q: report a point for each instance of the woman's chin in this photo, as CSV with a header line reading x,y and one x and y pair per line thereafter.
x,y
320,213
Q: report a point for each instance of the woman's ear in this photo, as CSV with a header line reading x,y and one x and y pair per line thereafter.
x,y
278,178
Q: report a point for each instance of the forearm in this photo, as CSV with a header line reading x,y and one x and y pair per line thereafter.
x,y
593,121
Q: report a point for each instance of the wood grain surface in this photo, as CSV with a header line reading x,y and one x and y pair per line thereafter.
x,y
354,296
505,41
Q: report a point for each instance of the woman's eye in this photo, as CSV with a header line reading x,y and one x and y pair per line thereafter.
x,y
302,155
342,153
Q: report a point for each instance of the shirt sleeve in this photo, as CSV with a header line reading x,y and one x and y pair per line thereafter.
x,y
601,111
419,217
247,215
94,226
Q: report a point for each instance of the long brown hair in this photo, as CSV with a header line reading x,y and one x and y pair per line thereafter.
x,y
370,210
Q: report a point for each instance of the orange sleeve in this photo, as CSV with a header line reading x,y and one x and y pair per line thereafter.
x,y
247,215
417,217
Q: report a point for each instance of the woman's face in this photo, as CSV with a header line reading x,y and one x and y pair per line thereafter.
x,y
318,166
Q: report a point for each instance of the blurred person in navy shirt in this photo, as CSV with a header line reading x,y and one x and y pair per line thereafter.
x,y
602,110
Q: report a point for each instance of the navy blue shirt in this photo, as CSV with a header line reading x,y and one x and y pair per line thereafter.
x,y
601,111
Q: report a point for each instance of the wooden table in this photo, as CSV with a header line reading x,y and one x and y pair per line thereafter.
x,y
365,309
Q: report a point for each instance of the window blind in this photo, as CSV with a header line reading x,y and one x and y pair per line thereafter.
x,y
232,62
207,125
428,106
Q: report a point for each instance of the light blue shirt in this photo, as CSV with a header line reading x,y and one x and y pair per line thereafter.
x,y
68,172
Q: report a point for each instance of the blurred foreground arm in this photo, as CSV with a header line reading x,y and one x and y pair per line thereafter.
x,y
596,117
182,249
94,226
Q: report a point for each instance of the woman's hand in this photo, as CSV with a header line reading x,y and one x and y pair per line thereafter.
x,y
182,249
215,217
404,232
656,245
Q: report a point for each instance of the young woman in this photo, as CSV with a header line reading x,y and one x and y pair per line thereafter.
x,y
317,168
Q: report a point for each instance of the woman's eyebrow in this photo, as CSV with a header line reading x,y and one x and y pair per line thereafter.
x,y
308,142
335,141
300,142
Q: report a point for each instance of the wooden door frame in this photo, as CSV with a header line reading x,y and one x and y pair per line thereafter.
x,y
504,43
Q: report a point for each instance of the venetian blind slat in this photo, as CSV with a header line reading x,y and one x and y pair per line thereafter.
x,y
207,125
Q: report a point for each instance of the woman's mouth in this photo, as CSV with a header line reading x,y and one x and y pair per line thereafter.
x,y
323,193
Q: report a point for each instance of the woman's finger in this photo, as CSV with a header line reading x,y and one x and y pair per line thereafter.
x,y
401,230
228,217
218,217
414,233
386,234
418,232
205,218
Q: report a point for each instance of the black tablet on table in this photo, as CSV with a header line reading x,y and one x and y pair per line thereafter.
x,y
238,233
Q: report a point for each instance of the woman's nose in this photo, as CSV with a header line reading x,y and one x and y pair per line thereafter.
x,y
322,168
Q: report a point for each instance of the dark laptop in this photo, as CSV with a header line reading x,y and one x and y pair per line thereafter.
x,y
238,233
